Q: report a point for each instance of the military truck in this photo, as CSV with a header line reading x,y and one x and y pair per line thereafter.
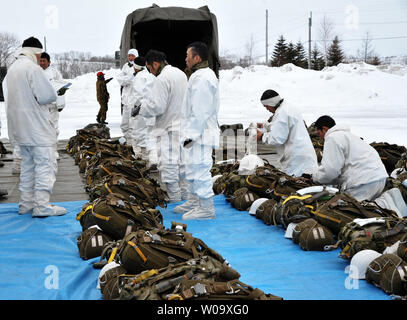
x,y
3,71
170,30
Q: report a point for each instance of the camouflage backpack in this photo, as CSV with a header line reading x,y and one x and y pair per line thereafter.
x,y
377,235
115,216
388,272
243,198
145,192
157,248
161,283
342,209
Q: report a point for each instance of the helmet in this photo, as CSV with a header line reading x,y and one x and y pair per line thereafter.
x,y
249,164
360,263
99,74
256,205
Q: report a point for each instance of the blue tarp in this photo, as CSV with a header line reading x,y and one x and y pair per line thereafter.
x,y
40,259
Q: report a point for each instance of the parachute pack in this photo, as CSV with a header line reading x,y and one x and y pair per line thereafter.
x,y
123,227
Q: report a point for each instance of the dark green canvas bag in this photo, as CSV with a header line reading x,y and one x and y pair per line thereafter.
x,y
91,243
266,212
311,236
157,248
109,283
233,182
388,272
243,198
114,215
269,182
131,169
389,153
145,192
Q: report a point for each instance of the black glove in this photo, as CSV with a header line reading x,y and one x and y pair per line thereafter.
x,y
188,143
62,91
136,111
108,80
307,176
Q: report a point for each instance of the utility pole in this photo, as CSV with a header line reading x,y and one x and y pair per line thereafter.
x,y
267,37
309,42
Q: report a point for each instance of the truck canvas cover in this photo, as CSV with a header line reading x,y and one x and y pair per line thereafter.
x,y
171,30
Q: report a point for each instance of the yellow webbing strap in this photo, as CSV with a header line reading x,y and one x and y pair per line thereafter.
x,y
108,189
91,153
297,197
82,213
107,171
175,297
252,184
145,276
114,251
324,216
96,215
142,256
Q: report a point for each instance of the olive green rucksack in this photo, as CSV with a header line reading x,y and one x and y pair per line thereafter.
x,y
145,192
388,272
109,284
266,212
269,182
342,209
157,248
116,216
91,243
160,284
389,153
243,198
375,236
131,169
233,182
311,236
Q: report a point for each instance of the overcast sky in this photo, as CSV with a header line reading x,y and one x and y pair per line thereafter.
x,y
96,25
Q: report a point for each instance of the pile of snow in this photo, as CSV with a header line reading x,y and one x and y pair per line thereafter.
x,y
372,100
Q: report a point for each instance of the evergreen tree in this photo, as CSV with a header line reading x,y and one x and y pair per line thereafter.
x,y
291,53
335,53
317,59
279,53
301,57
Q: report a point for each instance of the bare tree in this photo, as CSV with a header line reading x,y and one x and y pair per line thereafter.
x,y
8,45
326,31
249,50
367,51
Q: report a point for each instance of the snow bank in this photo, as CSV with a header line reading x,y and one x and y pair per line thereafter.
x,y
372,100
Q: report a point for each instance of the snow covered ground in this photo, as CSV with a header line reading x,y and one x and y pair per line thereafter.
x,y
371,100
